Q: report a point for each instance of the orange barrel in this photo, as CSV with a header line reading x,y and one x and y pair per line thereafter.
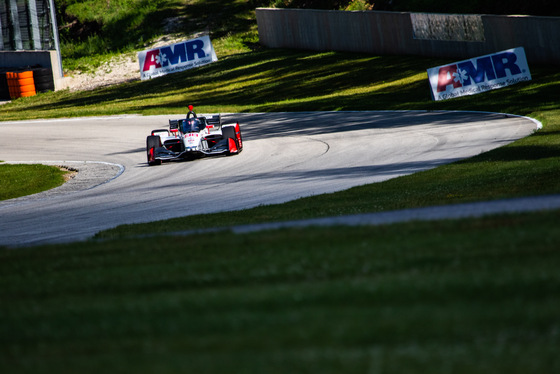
x,y
21,84
12,85
26,83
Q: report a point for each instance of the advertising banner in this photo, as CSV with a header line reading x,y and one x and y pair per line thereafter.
x,y
176,57
479,74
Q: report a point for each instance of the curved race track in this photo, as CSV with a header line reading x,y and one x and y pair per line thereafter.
x,y
286,156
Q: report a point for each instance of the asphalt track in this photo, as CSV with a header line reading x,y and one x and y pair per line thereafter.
x,y
286,156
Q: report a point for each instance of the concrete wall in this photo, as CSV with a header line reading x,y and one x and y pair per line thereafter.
x,y
396,33
46,59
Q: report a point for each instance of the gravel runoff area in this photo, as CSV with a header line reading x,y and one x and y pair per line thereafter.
x,y
83,175
91,174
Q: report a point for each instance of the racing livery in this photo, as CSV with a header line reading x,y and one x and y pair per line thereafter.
x,y
193,137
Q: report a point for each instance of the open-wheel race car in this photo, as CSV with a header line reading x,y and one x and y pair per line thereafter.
x,y
193,137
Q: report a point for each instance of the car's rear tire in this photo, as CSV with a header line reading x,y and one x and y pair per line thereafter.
x,y
229,133
152,142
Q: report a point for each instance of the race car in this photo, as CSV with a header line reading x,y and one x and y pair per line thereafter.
x,y
193,137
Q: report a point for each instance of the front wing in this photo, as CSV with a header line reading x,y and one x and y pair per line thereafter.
x,y
221,147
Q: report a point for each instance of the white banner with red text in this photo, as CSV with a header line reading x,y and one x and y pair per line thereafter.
x,y
176,57
479,74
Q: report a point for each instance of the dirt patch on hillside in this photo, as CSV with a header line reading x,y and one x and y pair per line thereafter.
x,y
119,69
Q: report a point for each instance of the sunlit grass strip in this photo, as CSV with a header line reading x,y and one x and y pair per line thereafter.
x,y
286,81
21,180
342,94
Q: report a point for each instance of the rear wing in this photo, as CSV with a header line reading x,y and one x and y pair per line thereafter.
x,y
214,120
174,124
160,132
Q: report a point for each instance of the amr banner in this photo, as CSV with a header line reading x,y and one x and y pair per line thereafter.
x,y
479,74
177,57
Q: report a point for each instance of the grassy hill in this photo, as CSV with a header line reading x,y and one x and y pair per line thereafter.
x,y
93,30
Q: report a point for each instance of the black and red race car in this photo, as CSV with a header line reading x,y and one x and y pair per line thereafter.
x,y
193,137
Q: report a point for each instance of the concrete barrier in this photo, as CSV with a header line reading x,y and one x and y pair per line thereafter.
x,y
401,33
44,59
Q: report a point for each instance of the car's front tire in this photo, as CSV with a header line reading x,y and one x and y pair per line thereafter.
x,y
152,142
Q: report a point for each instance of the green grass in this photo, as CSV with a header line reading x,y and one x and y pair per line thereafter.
x,y
466,296
21,180
280,80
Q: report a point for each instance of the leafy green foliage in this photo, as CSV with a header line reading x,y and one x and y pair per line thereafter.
x,y
93,30
535,7
90,28
358,5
